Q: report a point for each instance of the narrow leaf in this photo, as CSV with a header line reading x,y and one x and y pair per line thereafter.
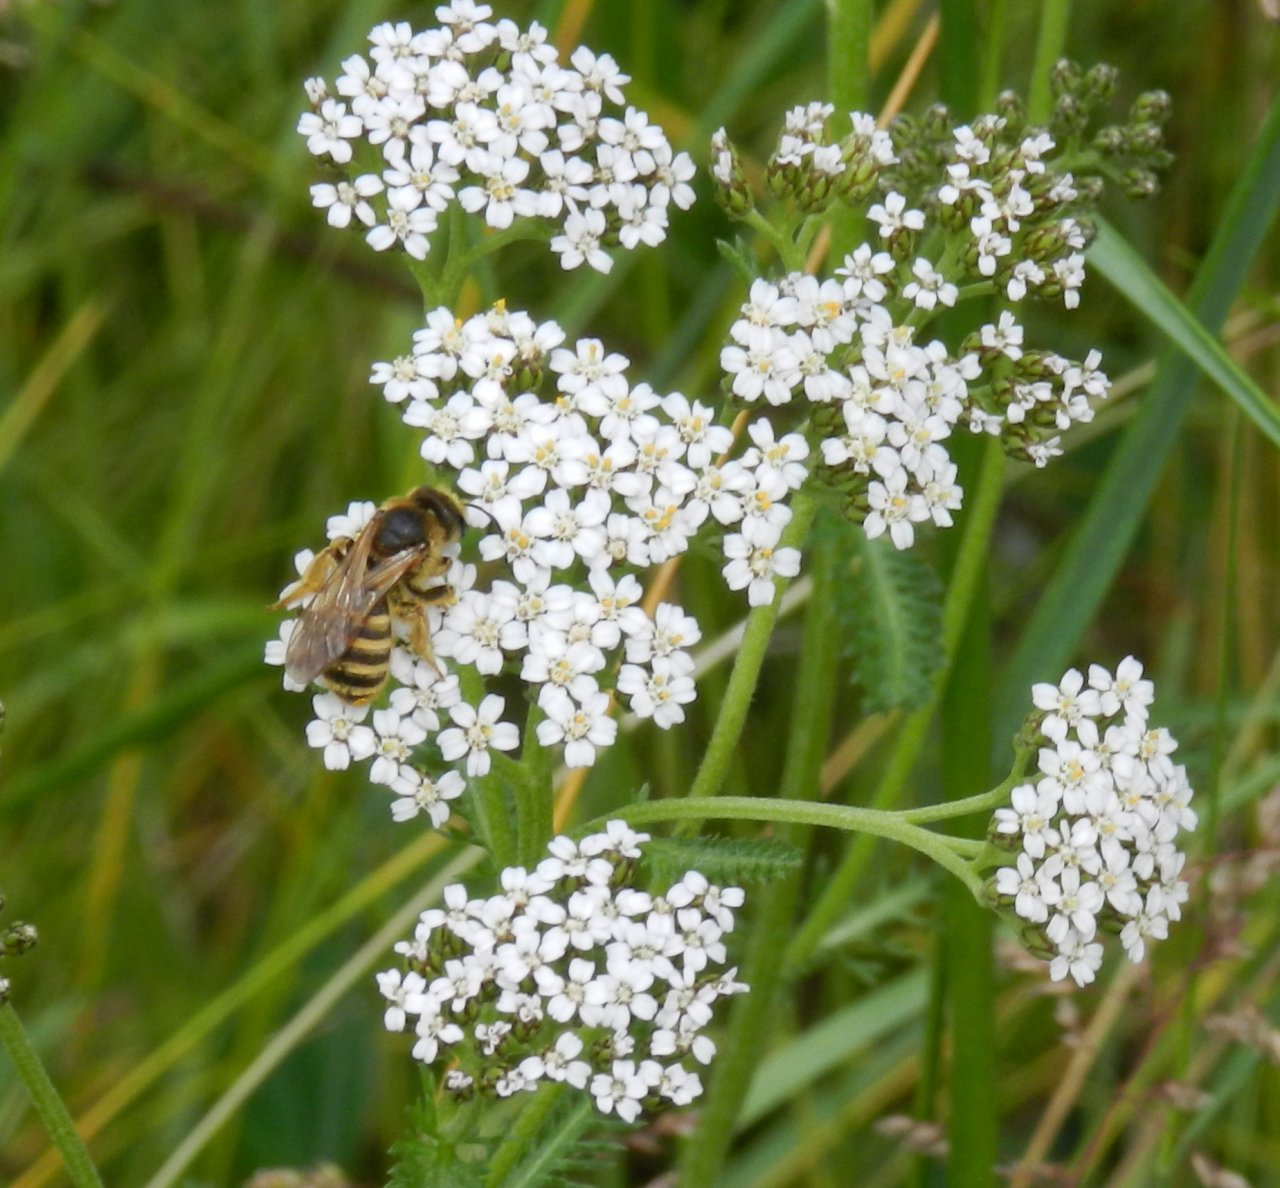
x,y
838,1039
1115,258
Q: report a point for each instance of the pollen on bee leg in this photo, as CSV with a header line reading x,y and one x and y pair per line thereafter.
x,y
420,632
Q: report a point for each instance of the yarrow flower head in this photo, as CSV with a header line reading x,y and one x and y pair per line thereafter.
x,y
1096,835
570,975
985,207
576,482
482,113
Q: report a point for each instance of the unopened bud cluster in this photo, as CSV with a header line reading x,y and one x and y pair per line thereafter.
x,y
481,113
1097,834
570,975
15,939
1134,149
988,207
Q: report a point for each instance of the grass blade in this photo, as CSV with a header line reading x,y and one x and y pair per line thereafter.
x,y
1112,255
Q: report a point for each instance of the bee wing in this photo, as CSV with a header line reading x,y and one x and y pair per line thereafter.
x,y
330,622
379,580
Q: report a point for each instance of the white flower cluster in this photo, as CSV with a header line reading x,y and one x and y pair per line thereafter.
x,y
570,975
1015,209
807,166
481,113
803,147
574,493
887,414
886,398
1098,831
601,474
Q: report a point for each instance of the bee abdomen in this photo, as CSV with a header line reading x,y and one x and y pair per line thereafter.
x,y
361,671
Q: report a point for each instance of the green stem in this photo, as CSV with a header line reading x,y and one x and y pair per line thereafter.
x,y
849,27
959,808
781,243
533,793
983,801
973,290
494,827
965,992
805,237
1052,39
430,272
702,1159
460,265
746,669
989,75
959,56
980,519
441,279
491,818
48,1104
943,850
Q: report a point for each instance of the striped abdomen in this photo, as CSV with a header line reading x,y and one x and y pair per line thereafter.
x,y
361,671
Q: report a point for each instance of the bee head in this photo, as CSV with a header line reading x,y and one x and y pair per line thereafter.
x,y
401,528
443,509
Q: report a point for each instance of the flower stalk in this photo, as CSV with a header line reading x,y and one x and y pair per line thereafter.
x,y
746,671
949,853
48,1104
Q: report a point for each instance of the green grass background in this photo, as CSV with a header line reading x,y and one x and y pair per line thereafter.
x,y
184,353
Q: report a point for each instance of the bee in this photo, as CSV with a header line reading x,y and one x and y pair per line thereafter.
x,y
390,570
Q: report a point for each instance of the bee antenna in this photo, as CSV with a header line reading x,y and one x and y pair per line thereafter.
x,y
484,511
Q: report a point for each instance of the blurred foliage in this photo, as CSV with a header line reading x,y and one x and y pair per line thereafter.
x,y
183,371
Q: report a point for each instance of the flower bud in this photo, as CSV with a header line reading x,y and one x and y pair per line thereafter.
x,y
857,179
317,91
1110,141
1010,108
1145,138
731,189
1100,83
1089,191
937,122
1064,78
1036,365
1154,106
1140,183
1070,117
1036,943
17,939
1031,733
988,896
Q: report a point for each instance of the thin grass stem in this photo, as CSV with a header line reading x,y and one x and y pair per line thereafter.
x,y
46,1100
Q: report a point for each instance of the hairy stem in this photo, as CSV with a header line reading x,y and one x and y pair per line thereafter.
x,y
943,850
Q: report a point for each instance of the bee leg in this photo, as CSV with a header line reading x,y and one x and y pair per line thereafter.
x,y
443,596
420,635
419,627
